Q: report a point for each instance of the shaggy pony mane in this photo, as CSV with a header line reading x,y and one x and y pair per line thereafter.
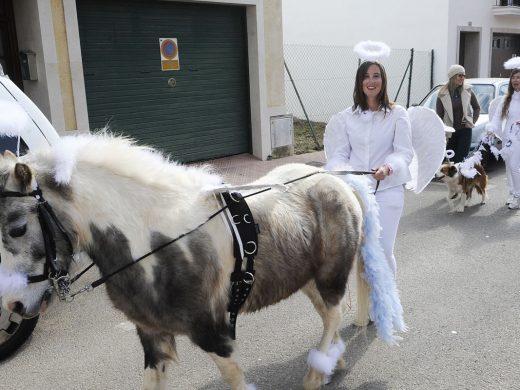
x,y
123,157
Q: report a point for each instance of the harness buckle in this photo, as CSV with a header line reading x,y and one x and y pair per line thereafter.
x,y
249,278
61,284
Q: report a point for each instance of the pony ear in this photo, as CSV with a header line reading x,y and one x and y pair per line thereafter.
x,y
23,175
9,155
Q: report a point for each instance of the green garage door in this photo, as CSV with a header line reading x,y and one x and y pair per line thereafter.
x,y
198,112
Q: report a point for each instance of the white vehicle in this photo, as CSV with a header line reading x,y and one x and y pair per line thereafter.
x,y
486,89
14,330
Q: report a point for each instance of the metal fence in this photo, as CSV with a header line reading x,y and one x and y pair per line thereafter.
x,y
319,80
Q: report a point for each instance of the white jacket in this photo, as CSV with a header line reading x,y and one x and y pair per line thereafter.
x,y
496,123
364,140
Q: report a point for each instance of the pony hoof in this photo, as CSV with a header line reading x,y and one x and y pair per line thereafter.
x,y
313,380
342,364
361,323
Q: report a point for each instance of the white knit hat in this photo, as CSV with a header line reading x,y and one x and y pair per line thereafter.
x,y
455,69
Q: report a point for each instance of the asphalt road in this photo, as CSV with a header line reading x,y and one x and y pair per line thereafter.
x,y
459,280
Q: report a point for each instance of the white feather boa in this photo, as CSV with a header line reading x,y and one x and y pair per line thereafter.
x,y
326,362
385,306
467,167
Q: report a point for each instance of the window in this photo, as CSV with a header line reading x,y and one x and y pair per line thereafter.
x,y
484,93
11,143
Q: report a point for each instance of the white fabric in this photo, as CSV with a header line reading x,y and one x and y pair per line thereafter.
x,y
429,146
391,203
364,140
510,134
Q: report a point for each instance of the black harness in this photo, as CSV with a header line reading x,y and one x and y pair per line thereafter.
x,y
245,246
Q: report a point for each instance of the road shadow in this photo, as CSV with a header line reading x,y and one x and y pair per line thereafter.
x,y
476,222
289,374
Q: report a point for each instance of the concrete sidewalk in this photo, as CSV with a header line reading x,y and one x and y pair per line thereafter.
x,y
244,168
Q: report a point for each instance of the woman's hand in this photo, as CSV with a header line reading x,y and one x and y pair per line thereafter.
x,y
382,172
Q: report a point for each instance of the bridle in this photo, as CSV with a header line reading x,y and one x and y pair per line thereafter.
x,y
52,270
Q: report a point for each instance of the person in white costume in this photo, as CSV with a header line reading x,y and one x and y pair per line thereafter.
x,y
375,135
505,123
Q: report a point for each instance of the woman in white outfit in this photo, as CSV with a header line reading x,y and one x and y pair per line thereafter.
x,y
508,111
376,136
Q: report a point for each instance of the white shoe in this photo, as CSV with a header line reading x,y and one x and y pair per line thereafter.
x,y
514,204
510,199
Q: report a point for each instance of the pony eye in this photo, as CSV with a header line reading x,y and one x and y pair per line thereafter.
x,y
18,231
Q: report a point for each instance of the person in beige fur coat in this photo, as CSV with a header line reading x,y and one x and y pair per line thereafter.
x,y
458,107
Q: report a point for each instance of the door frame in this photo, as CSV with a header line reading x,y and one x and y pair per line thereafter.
x,y
10,42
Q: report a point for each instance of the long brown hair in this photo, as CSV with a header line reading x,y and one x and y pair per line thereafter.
x,y
452,85
509,94
359,96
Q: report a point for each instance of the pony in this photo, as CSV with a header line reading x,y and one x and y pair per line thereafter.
x,y
115,201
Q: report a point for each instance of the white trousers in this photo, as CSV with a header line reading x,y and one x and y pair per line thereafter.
x,y
391,203
512,162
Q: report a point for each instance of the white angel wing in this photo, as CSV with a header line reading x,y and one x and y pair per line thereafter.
x,y
493,106
429,145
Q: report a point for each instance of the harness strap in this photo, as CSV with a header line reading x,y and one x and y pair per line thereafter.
x,y
245,245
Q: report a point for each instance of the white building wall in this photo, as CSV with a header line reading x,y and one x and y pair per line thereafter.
x,y
402,24
467,14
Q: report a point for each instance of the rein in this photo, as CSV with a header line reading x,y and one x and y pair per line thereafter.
x,y
60,278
